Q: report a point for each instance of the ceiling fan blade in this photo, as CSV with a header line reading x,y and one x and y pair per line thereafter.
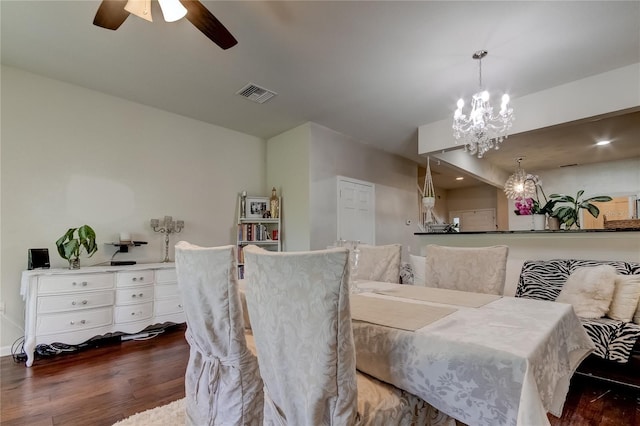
x,y
111,14
208,24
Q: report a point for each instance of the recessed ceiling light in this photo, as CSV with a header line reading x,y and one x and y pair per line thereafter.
x,y
603,143
459,178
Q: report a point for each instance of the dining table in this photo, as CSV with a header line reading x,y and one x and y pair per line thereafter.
x,y
482,359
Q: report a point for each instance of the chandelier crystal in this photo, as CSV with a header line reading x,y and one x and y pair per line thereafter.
x,y
482,130
520,184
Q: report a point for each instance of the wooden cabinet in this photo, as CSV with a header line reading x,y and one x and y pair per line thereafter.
x,y
73,306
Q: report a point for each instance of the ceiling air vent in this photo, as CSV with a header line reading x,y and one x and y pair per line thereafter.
x,y
256,93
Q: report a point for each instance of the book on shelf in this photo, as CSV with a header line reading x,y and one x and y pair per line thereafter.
x,y
240,254
253,232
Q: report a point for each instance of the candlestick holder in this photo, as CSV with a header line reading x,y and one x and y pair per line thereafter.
x,y
168,227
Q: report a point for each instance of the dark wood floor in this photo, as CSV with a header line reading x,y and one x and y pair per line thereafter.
x,y
102,385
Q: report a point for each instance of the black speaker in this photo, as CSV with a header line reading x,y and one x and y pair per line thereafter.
x,y
39,258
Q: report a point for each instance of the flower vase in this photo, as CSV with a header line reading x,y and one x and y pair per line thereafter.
x,y
74,263
539,222
520,222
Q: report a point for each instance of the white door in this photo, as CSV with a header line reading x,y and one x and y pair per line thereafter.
x,y
356,210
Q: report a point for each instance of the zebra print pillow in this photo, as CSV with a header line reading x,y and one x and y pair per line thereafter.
x,y
406,273
543,280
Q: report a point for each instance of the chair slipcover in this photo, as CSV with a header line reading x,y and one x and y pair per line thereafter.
x,y
222,380
299,309
476,269
379,263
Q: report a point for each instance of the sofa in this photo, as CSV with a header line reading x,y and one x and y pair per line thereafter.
x,y
617,354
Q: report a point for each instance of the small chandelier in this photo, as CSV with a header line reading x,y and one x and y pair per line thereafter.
x,y
482,130
520,184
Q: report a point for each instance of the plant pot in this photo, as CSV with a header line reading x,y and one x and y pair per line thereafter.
x,y
554,223
74,263
539,222
429,202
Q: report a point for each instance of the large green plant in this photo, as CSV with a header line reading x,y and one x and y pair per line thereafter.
x,y
69,245
569,214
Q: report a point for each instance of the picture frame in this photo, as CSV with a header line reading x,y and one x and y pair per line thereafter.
x,y
256,207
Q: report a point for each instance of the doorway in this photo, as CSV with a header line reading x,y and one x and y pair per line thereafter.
x,y
356,210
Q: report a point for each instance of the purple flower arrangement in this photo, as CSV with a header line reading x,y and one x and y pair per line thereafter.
x,y
524,206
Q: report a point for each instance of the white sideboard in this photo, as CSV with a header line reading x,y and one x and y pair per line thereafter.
x,y
73,306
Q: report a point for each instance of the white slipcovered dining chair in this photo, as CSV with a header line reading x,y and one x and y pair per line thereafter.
x,y
299,308
475,269
222,380
379,263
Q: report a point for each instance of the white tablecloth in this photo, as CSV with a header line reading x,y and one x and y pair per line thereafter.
x,y
508,362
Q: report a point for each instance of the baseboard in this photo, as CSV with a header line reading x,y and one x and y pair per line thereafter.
x,y
5,351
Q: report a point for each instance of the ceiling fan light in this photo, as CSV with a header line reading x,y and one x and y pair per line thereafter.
x,y
140,8
172,10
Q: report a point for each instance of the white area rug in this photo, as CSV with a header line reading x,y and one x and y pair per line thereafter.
x,y
171,414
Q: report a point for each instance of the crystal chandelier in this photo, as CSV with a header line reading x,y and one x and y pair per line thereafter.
x,y
482,130
520,184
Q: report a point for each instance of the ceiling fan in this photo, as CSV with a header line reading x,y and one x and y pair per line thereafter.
x,y
112,13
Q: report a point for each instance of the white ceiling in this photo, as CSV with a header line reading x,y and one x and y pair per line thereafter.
x,y
372,70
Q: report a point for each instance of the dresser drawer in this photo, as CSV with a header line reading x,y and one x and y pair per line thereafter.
x,y
168,306
78,282
167,290
131,313
166,276
74,301
125,279
73,321
134,295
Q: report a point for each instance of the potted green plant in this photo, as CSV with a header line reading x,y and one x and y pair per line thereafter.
x,y
569,214
69,245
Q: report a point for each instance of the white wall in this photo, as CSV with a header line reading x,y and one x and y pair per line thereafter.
x,y
72,156
394,177
288,171
472,198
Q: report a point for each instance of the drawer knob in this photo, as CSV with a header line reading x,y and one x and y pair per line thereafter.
x,y
179,306
84,283
135,279
141,278
133,313
140,295
84,302
133,295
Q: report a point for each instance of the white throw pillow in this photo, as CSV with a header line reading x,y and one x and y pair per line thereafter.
x,y
589,290
418,266
625,297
